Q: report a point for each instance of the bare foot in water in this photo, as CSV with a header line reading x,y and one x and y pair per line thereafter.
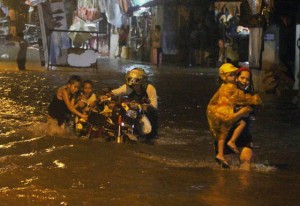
x,y
245,166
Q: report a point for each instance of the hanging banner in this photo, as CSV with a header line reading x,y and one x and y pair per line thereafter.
x,y
113,13
59,40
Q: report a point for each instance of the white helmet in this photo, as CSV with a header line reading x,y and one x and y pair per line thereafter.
x,y
136,76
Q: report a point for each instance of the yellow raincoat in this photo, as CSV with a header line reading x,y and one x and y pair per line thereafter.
x,y
220,110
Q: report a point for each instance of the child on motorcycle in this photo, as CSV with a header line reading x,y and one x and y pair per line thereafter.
x,y
220,110
63,102
138,88
87,99
86,102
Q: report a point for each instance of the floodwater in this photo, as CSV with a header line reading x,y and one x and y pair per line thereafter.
x,y
37,168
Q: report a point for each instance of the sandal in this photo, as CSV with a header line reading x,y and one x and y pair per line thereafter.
x,y
222,163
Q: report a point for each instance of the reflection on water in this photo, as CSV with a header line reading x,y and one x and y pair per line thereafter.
x,y
226,188
42,165
13,114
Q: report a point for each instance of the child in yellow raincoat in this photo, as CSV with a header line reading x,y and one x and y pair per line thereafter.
x,y
220,110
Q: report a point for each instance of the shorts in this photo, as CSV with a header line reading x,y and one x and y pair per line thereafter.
x,y
244,140
122,43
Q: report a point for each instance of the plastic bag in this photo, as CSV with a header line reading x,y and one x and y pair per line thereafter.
x,y
145,125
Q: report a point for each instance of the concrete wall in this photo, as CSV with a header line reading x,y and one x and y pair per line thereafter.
x,y
269,59
297,58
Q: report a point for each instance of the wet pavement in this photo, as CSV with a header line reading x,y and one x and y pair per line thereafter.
x,y
178,169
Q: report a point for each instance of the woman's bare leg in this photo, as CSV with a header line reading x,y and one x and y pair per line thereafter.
x,y
245,158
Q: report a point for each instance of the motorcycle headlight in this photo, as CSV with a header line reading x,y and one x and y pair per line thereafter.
x,y
131,113
79,126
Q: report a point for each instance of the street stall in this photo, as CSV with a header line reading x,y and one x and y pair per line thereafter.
x,y
69,31
139,34
81,43
137,16
228,17
72,33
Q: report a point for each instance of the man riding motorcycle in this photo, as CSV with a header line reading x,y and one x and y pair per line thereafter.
x,y
138,88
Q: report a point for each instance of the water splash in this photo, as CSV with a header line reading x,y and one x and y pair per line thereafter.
x,y
263,168
29,180
11,144
59,164
50,128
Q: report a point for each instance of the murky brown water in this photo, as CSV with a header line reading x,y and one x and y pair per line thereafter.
x,y
179,169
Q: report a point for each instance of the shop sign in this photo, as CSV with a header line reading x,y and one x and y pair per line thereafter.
x,y
269,37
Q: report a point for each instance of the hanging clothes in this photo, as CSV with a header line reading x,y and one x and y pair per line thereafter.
x,y
89,10
113,13
125,5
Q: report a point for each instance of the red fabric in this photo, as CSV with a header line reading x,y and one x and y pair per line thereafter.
x,y
123,37
243,69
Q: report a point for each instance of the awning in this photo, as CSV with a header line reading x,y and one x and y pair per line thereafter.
x,y
34,2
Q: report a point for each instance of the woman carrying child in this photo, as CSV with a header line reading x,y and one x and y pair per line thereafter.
x,y
239,135
220,110
63,102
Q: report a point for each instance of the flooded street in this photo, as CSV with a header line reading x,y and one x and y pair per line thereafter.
x,y
178,169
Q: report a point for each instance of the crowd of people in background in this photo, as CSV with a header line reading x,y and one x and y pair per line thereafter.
x,y
155,44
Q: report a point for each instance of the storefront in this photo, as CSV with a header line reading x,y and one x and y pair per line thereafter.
x,y
4,22
83,28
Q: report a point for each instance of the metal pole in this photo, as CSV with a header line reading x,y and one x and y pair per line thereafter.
x,y
224,41
43,33
298,78
297,61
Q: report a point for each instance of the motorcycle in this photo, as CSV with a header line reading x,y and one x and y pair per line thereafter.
x,y
121,121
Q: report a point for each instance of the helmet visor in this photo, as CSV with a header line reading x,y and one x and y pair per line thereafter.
x,y
133,81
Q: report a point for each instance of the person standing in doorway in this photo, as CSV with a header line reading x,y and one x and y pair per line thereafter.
x,y
221,53
156,46
22,53
122,40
